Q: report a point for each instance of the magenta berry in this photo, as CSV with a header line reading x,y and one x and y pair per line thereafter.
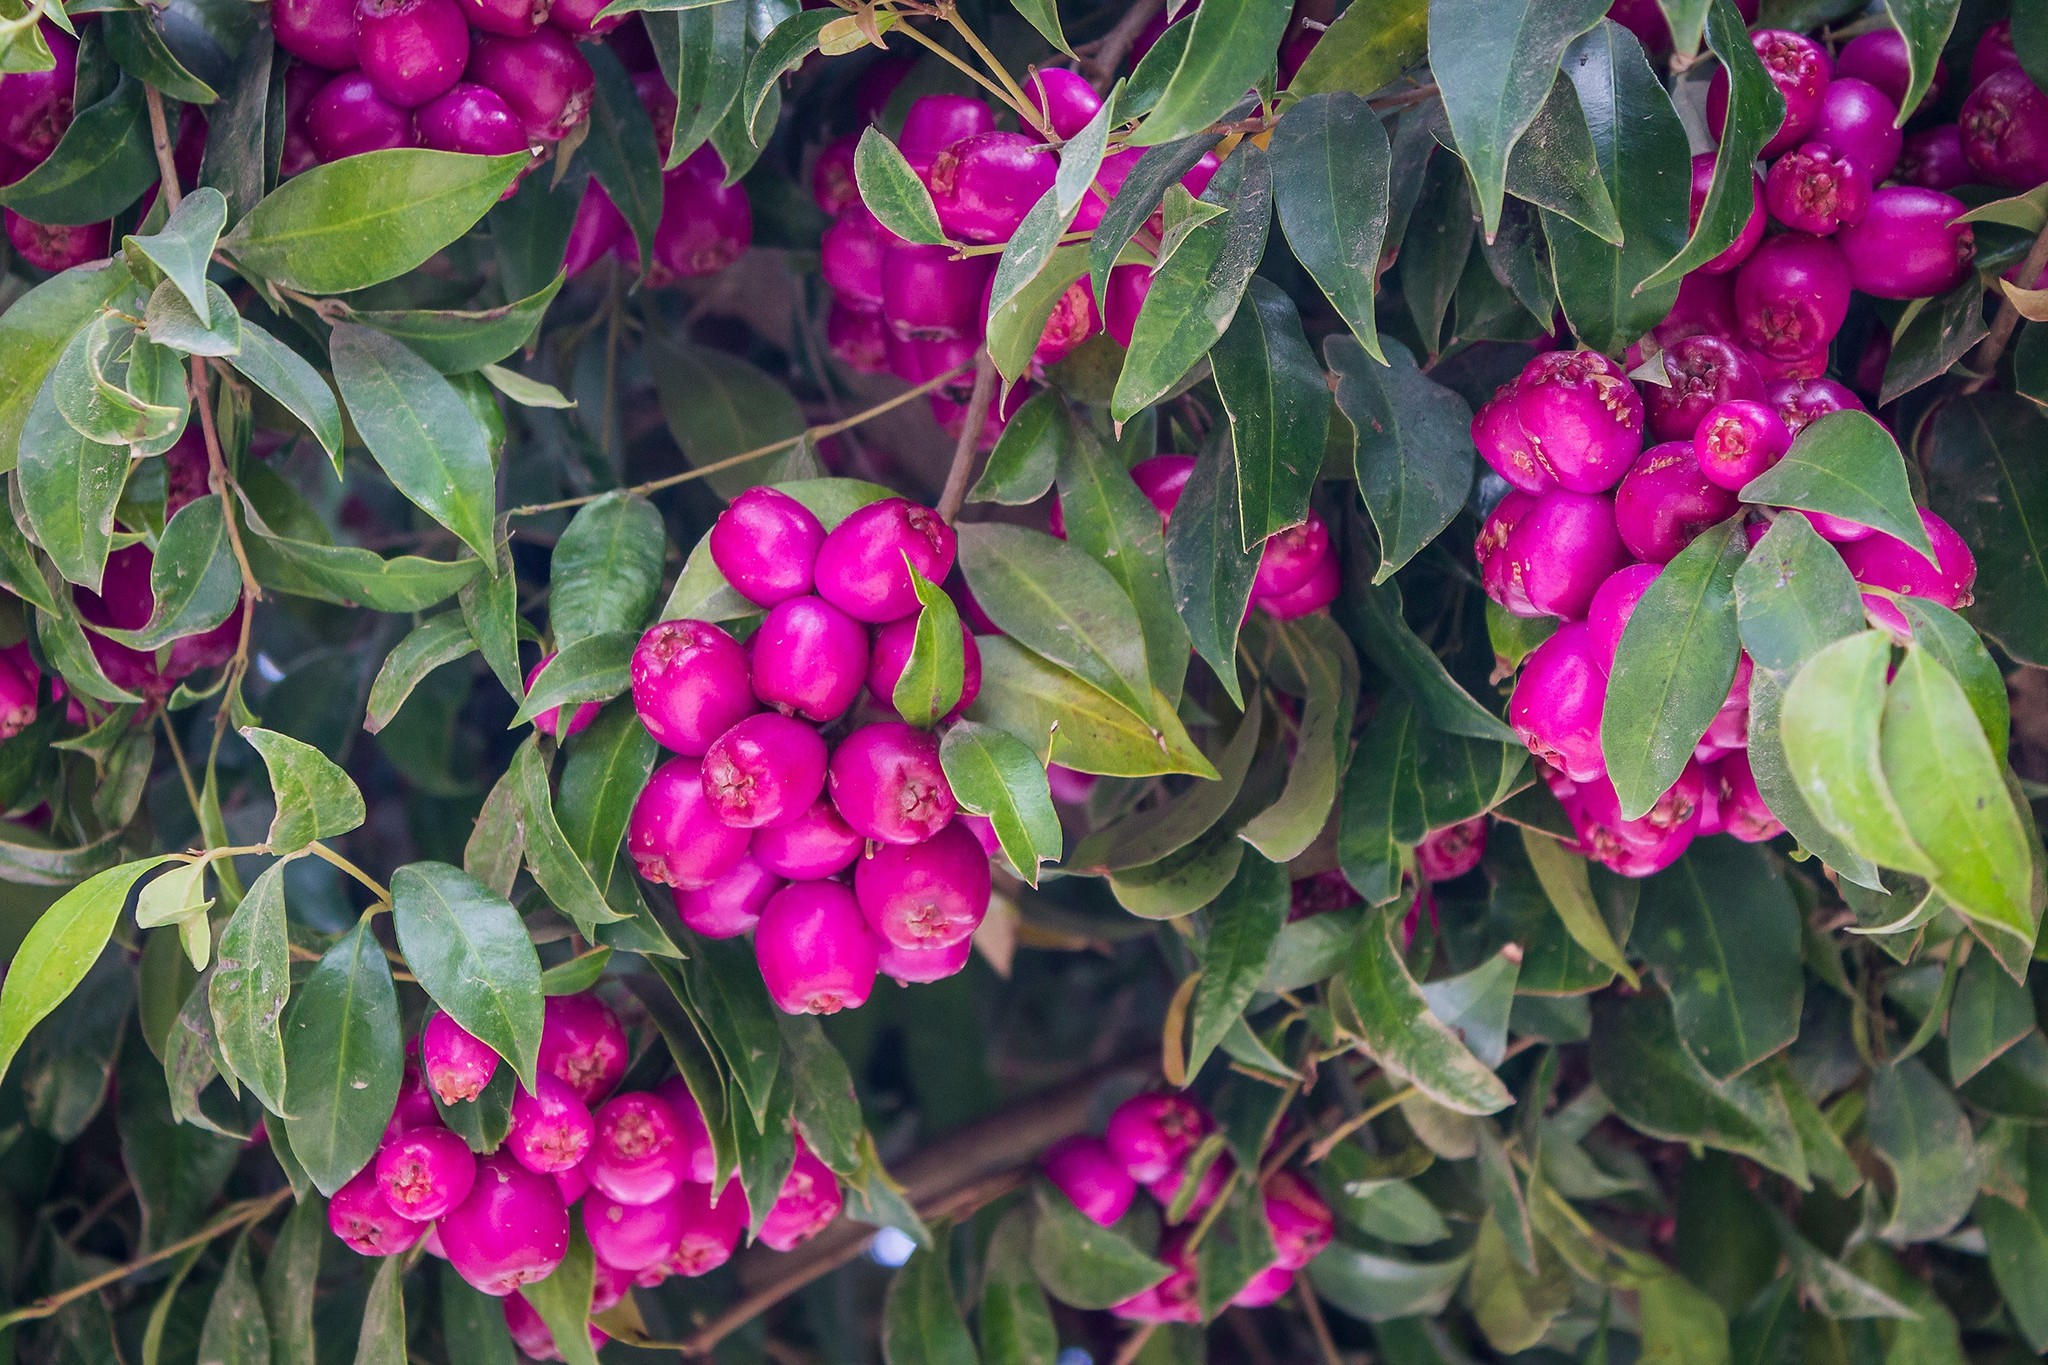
x,y
457,1067
859,339
833,186
1123,299
414,1107
983,185
1449,853
690,685
469,118
1737,441
513,1229
890,655
573,1183
935,122
809,658
1063,98
1496,572
1933,159
36,106
1559,553
764,770
705,225
321,32
809,1201
926,895
1557,703
640,1154
1856,120
675,835
1753,226
928,293
1880,59
1881,561
1300,1219
1072,321
412,50
1582,417
531,1333
1175,1298
351,116
366,1224
542,76
815,952
582,1045
1161,478
599,228
1793,292
1290,557
887,784
1994,53
549,722
1612,607
1166,1189
814,845
729,906
1909,245
1816,190
19,678
551,1130
632,1236
1084,1171
1506,447
700,1161
1267,1287
921,966
850,257
424,1173
1799,68
1318,592
765,544
1151,1134
710,1231
506,18
2005,130
1666,501
1741,806
579,18
54,247
1801,402
861,566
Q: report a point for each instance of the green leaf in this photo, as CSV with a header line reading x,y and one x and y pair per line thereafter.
x,y
1780,787
382,1341
1372,616
1932,339
184,245
365,219
1958,810
60,950
235,1332
1846,465
1411,447
1376,1288
1721,929
1330,179
1794,597
69,487
471,954
1567,882
1983,481
725,985
236,159
106,400
1208,565
291,1273
315,798
1673,669
995,774
525,391
1080,1264
1475,1006
1230,49
422,434
250,986
921,1322
64,645
1243,922
437,641
1382,769
930,683
719,406
1310,659
710,64
100,164
343,1057
170,322
1065,720
563,1299
1925,25
352,576
595,668
1034,270
607,766
1238,1247
137,41
1919,1131
2017,1242
1027,455
781,51
1556,167
621,149
1015,1319
458,340
1514,1305
35,329
569,883
1380,1001
892,191
607,568
1681,1324
1495,62
1371,43
1989,1015
1195,295
1157,170
194,577
280,372
1961,651
827,1109
1279,410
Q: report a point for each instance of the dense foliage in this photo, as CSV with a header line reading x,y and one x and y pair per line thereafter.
x,y
970,679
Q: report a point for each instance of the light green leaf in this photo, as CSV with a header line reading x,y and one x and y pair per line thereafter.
x,y
315,798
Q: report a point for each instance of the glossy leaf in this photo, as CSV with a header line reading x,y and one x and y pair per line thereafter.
x,y
99,166
1209,567
459,340
34,331
1230,50
1980,479
1157,170
1243,923
563,1299
352,576
596,668
1330,180
1373,617
892,191
1015,1320
1027,455
995,774
607,568
607,766
69,487
1367,46
471,954
280,372
725,985
1083,1265
1830,724
315,798
1411,447
921,1322
1279,410
1394,1024
1378,1288
1925,25
1793,597
193,577
555,865
710,64
930,683
439,640
1569,886
170,322
250,986
1555,166
183,246
1848,466
343,1056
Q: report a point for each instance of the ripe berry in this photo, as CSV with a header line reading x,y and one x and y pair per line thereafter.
x,y
1072,321
1175,1298
456,1065
1290,557
1318,592
1801,402
1083,1170
1558,553
1063,98
935,122
425,1172
507,18
1880,59
1166,1189
54,247
806,1206
578,18
365,1222
1301,1222
1611,609
1857,121
322,32
833,186
850,257
632,1236
1752,227
1933,159
813,846
19,679
928,293
1666,501
1994,53
815,953
513,1229
412,50
710,1231
927,895
1632,848
808,659
1737,441
1582,416
1506,447
531,1333
542,76
887,784
2005,130
861,566
469,118
351,116
641,1153
765,769
729,906
690,685
1123,298
414,1107
890,655
1161,478
675,835
582,1045
922,966
765,544
1799,68
1152,1133
1269,1286
549,722
1882,561
1496,572
1449,853
1741,806
705,224
36,106
700,1161
598,229
1813,189
1793,292
859,339
983,185
1557,703
1908,245
551,1130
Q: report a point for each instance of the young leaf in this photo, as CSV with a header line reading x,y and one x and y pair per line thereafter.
x,y
343,1056
471,954
1075,724
1829,725
932,677
1411,447
892,191
1243,922
995,774
1230,49
1381,1003
1279,410
1330,185
315,798
1847,465
250,987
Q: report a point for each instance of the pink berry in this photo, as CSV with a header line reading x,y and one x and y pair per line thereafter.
x,y
1666,501
457,1066
1063,98
641,1153
1290,557
1449,853
700,1160
1880,59
729,906
1632,848
928,293
710,1232
1496,572
815,952
412,50
19,679
1152,1133
424,1173
1742,809
513,1229
927,895
1737,441
1083,1170
813,846
582,1045
469,118
887,784
1705,303
1705,371
850,257
1611,609
1801,402
833,186
1166,1189
1752,227
1269,1286
1557,703
764,770
1908,245
806,1206
1072,321
597,230
1559,552
1793,292
765,544
578,18
706,224
573,1183
890,655
1123,298
809,659
531,1333
861,567
935,122
549,722
1856,120
859,339
365,1222
922,966
1813,189
2005,130
983,185
1994,53
1161,478
1175,1298
414,1107
1882,561
632,1236
1318,592
675,834
54,247
551,1127
1301,1221
351,116
1582,416
690,685
1799,68
507,18
1933,159
1506,447
542,76
322,32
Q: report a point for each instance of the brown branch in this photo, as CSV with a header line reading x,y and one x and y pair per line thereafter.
x,y
1107,53
160,135
1134,1344
955,492
1313,1311
1985,362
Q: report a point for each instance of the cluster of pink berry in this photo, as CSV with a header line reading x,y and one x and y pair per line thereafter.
x,y
1593,516
760,823
640,1163
921,311
1147,1144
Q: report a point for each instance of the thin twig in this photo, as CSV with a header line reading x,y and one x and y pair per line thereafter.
x,y
955,492
1107,53
1025,106
1317,1323
328,855
166,150
1328,1142
1134,1344
1023,109
1985,362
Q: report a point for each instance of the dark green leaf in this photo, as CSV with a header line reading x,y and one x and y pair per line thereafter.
x,y
1436,241
471,954
100,164
236,157
235,1332
343,1058
1556,167
1411,447
827,1109
1182,882
1027,455
352,576
794,39
563,1299
1989,1015
921,1322
1925,25
1279,409
440,640
315,798
137,42
290,1275
620,145
1230,50
1243,922
1382,768
725,985
892,191
1934,338
1015,1319
1983,481
280,372
1209,567
1793,597
382,1341
1330,172
1847,465
194,577
184,245
719,406
1311,659
1918,1130
607,569
1081,1264
1157,169
568,881
1381,1002
69,487
250,986
607,766
710,65
456,340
